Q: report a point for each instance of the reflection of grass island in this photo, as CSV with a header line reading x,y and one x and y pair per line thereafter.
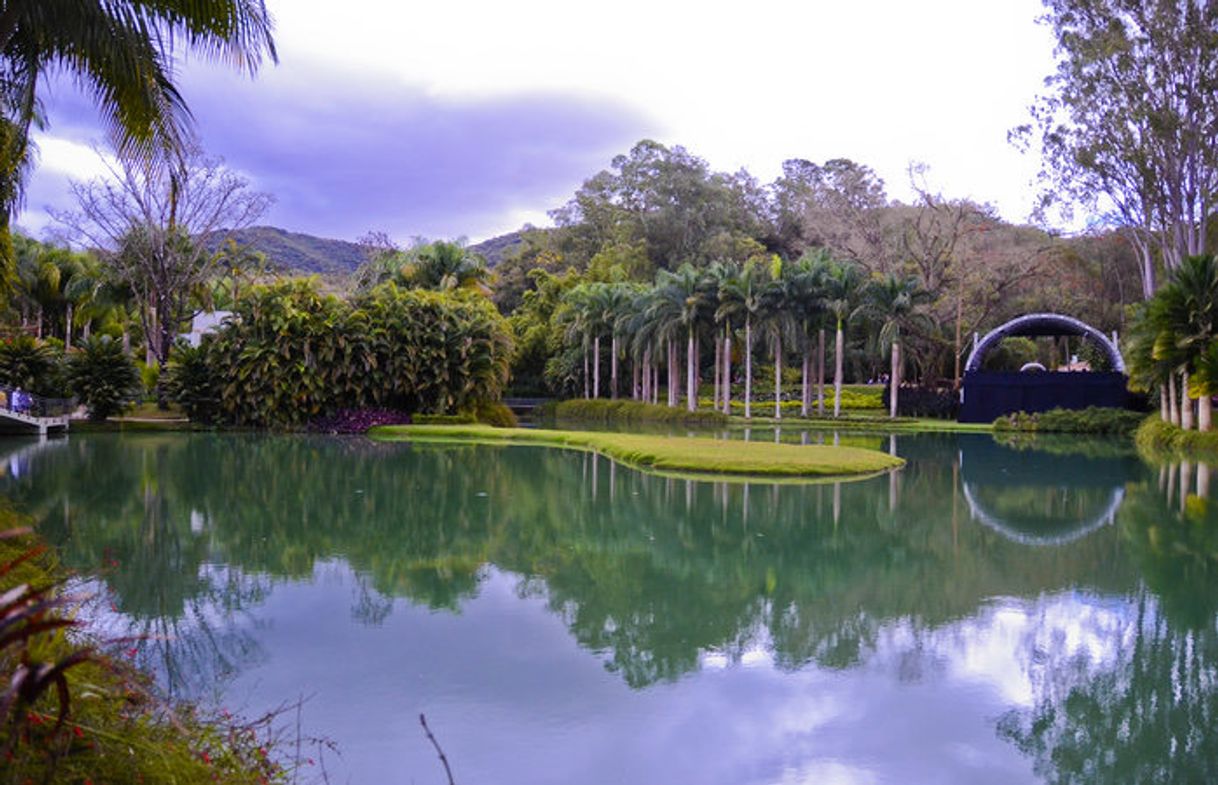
x,y
721,459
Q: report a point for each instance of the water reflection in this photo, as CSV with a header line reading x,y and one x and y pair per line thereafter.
x,y
912,600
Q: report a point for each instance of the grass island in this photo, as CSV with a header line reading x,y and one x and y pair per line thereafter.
x,y
688,456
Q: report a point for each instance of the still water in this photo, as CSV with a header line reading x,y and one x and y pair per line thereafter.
x,y
1001,613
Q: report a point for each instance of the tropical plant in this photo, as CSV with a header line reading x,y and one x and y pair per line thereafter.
x,y
897,303
102,376
843,295
31,365
740,302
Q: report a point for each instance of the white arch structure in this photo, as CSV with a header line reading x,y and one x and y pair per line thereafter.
x,y
1044,324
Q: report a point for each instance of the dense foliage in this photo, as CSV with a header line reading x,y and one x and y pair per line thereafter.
x,y
291,354
1093,420
103,377
32,365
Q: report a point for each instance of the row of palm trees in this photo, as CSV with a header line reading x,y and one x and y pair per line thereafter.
x,y
789,305
1173,344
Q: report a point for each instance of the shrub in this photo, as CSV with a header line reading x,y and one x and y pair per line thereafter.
x,y
496,414
190,383
33,366
291,355
1155,437
102,376
1092,420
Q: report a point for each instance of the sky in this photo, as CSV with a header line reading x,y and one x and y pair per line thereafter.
x,y
470,118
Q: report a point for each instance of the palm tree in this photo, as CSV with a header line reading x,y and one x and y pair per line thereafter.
x,y
896,302
740,300
445,267
122,52
716,275
575,316
806,290
843,287
684,302
1185,312
777,318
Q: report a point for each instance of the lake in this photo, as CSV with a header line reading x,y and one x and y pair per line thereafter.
x,y
1031,611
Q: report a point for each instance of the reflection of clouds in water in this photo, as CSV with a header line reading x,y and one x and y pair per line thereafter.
x,y
827,772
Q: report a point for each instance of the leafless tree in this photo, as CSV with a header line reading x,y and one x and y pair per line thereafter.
x,y
158,230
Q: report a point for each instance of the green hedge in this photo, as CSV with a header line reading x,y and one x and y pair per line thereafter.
x,y
291,354
1092,420
602,410
1156,437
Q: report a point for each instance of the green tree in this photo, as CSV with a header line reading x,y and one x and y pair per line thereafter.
x,y
1129,122
897,304
843,296
740,301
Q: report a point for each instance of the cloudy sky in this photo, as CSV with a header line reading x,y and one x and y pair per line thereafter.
x,y
470,118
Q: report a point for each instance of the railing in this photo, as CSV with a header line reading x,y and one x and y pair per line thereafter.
x,y
21,402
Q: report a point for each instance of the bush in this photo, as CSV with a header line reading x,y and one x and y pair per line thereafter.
x,y
1092,420
33,366
496,414
291,355
103,377
601,410
1155,437
190,383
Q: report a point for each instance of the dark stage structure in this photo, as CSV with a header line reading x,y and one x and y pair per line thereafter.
x,y
987,395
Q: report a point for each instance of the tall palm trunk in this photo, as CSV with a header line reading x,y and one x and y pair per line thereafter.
x,y
837,370
596,367
805,392
67,328
1172,401
1205,413
613,369
691,362
634,380
647,375
727,370
894,380
1164,408
748,368
673,374
718,368
820,373
587,378
1186,403
777,375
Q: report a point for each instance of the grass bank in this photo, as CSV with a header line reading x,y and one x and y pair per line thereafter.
x,y
1158,439
700,458
606,411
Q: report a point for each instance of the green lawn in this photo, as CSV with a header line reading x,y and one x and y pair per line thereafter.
x,y
673,455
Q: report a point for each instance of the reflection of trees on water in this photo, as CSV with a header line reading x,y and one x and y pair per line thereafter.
x,y
114,514
652,572
1147,712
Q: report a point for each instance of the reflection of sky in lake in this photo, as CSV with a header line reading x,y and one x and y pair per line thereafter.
x,y
502,681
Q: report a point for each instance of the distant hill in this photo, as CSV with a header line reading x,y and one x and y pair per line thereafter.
x,y
302,252
496,249
305,253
